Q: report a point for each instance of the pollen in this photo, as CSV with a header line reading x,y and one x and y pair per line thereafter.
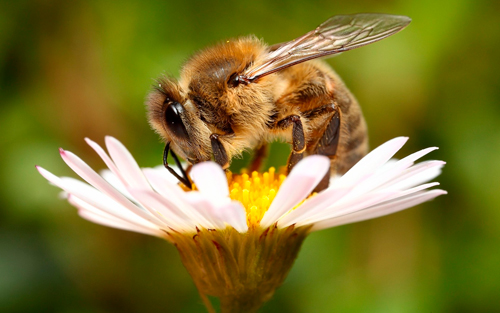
x,y
255,191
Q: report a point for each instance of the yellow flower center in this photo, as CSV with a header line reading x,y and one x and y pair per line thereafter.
x,y
255,191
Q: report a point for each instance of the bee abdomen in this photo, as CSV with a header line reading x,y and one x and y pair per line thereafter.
x,y
354,140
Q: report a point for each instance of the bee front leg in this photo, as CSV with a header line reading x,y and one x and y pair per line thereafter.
x,y
298,139
220,154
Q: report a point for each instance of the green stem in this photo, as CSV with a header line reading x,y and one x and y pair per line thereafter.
x,y
248,304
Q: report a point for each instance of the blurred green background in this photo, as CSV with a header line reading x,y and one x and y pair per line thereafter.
x,y
75,69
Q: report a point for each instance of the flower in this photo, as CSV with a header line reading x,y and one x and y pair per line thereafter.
x,y
238,235
149,201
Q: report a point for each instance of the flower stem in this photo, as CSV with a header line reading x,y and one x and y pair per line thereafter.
x,y
248,304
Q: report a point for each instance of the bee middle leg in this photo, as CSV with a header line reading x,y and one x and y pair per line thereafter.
x,y
327,145
298,139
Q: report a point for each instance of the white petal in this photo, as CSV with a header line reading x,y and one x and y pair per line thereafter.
x,y
211,181
176,195
340,209
296,187
114,181
205,207
409,160
161,183
399,165
234,214
313,205
380,210
415,175
410,191
372,161
163,209
126,163
81,204
88,174
104,156
95,198
97,216
387,173
101,201
319,211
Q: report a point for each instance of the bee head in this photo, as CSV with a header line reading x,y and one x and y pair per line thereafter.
x,y
174,119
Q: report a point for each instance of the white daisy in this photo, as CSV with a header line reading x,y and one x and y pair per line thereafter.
x,y
238,235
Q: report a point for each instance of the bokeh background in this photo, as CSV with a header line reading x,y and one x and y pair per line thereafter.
x,y
75,69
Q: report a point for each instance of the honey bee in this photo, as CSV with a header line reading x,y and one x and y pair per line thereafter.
x,y
241,94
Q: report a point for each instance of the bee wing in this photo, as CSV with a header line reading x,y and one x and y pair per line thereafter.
x,y
338,34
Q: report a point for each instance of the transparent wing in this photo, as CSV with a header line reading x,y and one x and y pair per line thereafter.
x,y
338,34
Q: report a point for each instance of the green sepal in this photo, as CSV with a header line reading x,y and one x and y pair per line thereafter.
x,y
242,270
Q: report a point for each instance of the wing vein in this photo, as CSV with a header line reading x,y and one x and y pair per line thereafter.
x,y
337,34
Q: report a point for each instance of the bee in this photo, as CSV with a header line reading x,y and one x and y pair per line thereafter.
x,y
242,94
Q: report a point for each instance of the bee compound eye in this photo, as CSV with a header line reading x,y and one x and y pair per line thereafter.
x,y
173,120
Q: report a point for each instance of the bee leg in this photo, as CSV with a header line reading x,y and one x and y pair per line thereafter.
x,y
298,139
220,154
184,178
258,157
293,159
327,146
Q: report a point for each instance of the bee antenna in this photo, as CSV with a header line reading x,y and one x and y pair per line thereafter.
x,y
184,178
